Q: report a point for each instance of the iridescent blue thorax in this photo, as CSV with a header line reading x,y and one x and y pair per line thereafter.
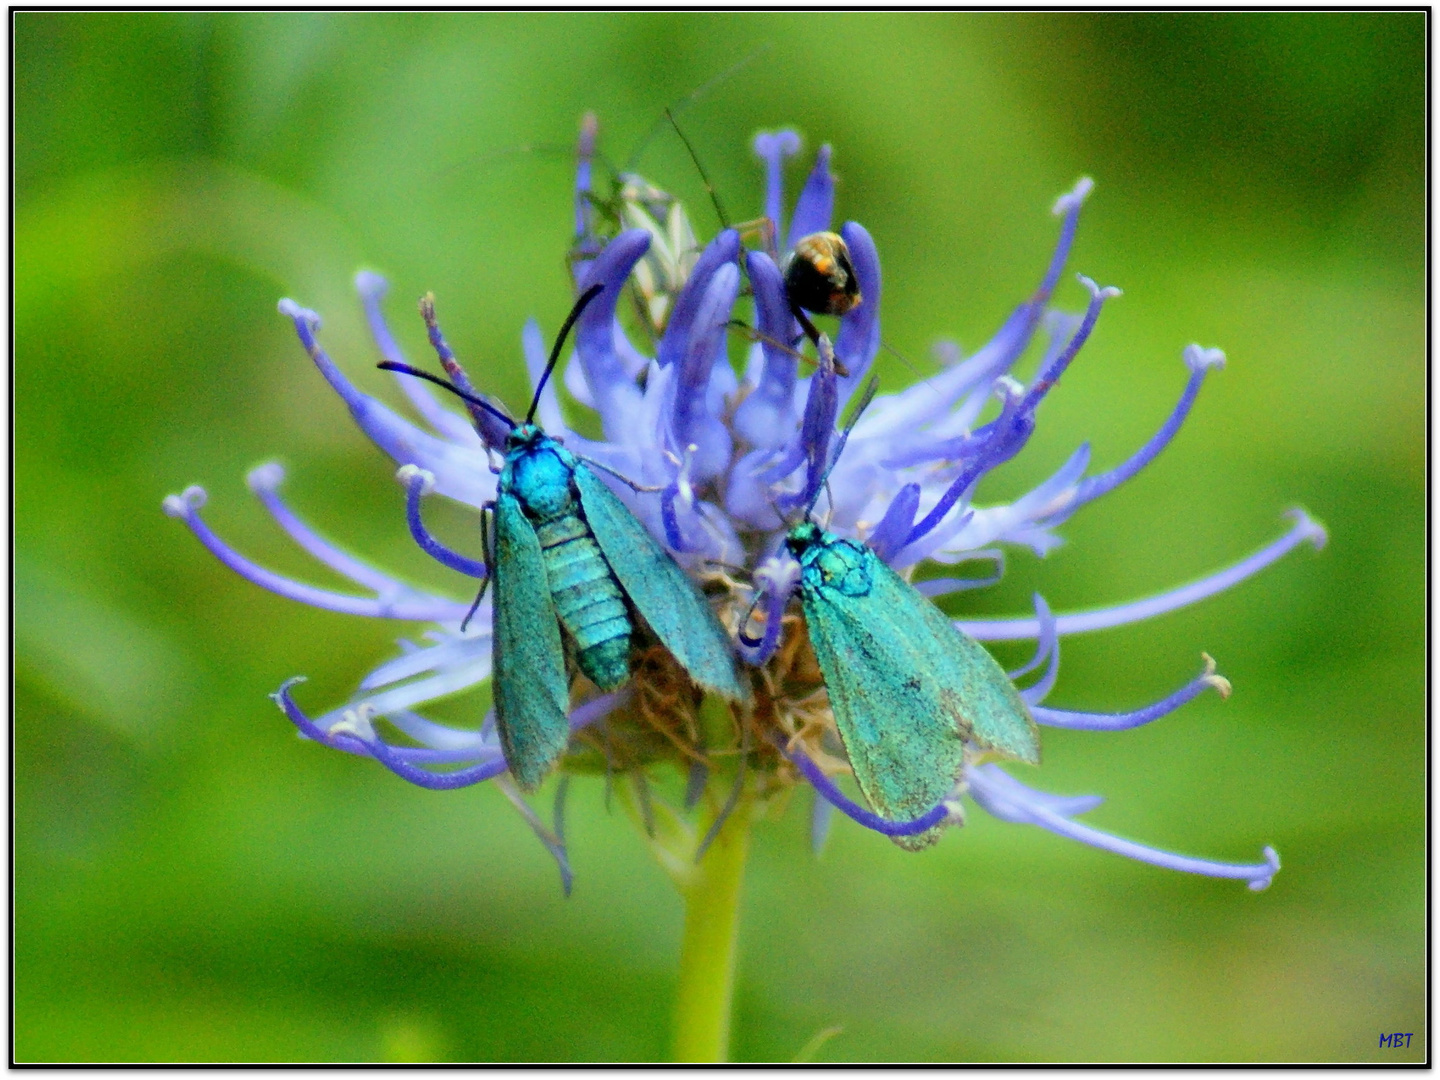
x,y
538,472
828,562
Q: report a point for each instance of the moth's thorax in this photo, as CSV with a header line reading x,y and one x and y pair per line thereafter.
x,y
828,562
538,472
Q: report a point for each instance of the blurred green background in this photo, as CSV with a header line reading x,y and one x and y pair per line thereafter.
x,y
194,883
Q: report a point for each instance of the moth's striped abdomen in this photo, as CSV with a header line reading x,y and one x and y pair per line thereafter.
x,y
587,598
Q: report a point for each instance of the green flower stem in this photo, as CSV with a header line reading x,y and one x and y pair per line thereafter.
x,y
707,951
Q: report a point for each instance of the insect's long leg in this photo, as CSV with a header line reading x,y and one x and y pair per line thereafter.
x,y
756,335
695,782
704,176
609,765
762,228
489,561
690,99
475,606
642,794
539,149
775,504
805,324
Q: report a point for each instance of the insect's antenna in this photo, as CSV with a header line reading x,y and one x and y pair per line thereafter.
x,y
406,369
866,396
688,100
704,176
575,312
538,149
901,357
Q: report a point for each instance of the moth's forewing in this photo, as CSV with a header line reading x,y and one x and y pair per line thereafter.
x,y
908,691
992,713
660,590
531,690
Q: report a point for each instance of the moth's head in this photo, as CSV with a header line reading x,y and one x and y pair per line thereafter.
x,y
523,436
802,537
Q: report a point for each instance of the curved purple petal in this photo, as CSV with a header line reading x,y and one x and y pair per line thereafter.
x,y
773,148
611,388
1305,528
1200,361
455,468
263,480
1047,646
372,289
692,422
1010,433
1085,721
724,249
765,419
404,603
584,151
854,811
859,338
822,405
889,536
816,204
417,483
1008,799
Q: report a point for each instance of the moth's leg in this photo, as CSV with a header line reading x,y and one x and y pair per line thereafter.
x,y
631,484
489,561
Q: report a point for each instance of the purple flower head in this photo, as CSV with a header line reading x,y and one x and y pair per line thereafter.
x,y
718,465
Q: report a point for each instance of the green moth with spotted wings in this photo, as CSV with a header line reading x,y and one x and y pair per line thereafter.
x,y
908,690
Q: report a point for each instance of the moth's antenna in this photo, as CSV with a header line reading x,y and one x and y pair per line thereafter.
x,y
580,305
688,100
704,176
866,396
406,369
